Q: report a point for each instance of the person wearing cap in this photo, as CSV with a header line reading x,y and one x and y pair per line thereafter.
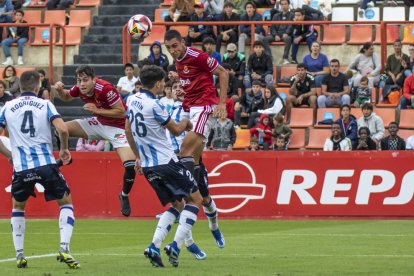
x,y
237,62
227,33
179,11
245,30
197,33
213,7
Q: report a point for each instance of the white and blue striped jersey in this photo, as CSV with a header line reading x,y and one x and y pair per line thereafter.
x,y
28,119
177,114
147,116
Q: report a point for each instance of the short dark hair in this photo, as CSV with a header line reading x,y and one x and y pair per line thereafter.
x,y
393,123
126,65
228,4
138,83
19,11
29,80
302,65
364,128
335,61
171,67
7,67
335,124
301,11
86,70
344,105
258,43
42,72
209,40
171,34
286,1
280,137
141,63
169,83
367,105
250,3
256,82
150,74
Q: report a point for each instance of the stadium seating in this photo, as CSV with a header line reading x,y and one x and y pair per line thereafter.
x,y
393,14
73,36
387,115
301,117
325,114
160,14
405,133
286,72
55,16
265,12
343,14
33,16
384,104
243,139
88,3
406,118
357,112
80,18
297,139
392,34
38,40
182,29
333,34
283,92
166,3
157,34
408,34
317,138
360,34
371,14
20,70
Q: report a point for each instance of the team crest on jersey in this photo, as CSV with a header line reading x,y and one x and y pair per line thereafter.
x,y
186,70
119,136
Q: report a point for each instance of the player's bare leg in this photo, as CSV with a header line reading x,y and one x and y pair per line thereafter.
x,y
128,160
74,129
18,224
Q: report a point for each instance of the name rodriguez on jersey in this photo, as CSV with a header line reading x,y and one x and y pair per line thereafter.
x,y
29,103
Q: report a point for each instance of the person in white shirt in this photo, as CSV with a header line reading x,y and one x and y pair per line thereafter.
x,y
409,145
127,83
168,100
336,142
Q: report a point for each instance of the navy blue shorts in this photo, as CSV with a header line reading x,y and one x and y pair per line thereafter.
x,y
48,176
203,181
171,181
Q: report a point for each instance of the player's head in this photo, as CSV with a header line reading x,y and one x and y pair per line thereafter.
x,y
174,43
152,78
29,81
177,91
85,79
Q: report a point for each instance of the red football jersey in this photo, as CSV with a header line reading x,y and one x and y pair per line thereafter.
x,y
194,70
104,96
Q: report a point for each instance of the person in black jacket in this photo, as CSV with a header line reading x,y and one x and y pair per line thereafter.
x,y
17,35
197,33
44,91
365,142
301,33
259,66
248,103
393,141
237,62
227,33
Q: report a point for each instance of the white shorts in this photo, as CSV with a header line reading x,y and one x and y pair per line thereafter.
x,y
95,130
202,119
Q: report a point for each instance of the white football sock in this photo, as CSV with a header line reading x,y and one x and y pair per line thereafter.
x,y
187,219
18,224
164,226
189,239
211,213
66,223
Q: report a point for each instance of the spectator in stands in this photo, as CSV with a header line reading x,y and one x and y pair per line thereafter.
x,y
11,80
317,63
237,61
58,4
281,32
395,66
6,13
263,132
335,88
259,66
227,33
232,91
366,63
138,87
365,142
168,100
337,142
301,33
410,143
18,35
373,122
362,93
410,66
280,143
45,88
180,10
245,30
254,144
281,129
4,97
213,7
126,83
208,48
90,145
302,90
197,33
222,135
349,125
393,141
407,98
157,57
248,103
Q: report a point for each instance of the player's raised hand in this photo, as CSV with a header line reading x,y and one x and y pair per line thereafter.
x,y
59,86
64,155
220,111
90,107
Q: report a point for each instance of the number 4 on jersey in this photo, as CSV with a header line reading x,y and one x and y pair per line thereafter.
x,y
28,119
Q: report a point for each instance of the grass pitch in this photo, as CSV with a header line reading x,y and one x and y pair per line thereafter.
x,y
253,247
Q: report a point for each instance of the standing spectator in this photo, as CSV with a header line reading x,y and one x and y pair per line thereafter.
x,y
365,142
248,103
4,97
281,32
302,90
126,83
366,63
11,81
197,33
337,142
6,14
317,63
349,126
237,62
45,88
227,33
18,35
396,64
222,135
373,122
335,88
281,129
410,143
301,33
213,7
90,145
263,132
393,141
407,98
58,4
168,100
259,66
208,48
179,11
363,92
157,57
245,30
410,66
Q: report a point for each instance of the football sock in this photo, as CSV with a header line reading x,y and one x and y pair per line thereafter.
x,y
18,224
189,239
188,162
164,226
187,219
66,223
129,177
211,213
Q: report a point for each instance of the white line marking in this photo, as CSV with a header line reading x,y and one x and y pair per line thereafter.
x,y
29,257
331,235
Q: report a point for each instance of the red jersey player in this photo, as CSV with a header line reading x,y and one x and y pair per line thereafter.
x,y
104,102
195,71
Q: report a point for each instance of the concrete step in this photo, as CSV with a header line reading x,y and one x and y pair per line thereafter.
x,y
75,102
115,20
103,39
99,59
100,69
104,30
100,48
146,9
109,78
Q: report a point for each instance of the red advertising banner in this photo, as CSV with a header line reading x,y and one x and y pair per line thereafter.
x,y
247,184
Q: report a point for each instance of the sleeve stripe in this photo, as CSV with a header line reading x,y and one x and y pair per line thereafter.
x,y
54,117
166,121
217,64
116,101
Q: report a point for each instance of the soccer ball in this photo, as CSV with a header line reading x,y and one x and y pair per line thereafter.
x,y
139,26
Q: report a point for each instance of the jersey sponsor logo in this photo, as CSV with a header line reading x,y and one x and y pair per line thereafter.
x,y
111,96
186,70
185,82
210,62
119,136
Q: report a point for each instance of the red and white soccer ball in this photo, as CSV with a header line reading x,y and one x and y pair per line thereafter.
x,y
139,26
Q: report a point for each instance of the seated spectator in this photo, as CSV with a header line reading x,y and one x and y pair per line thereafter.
x,y
395,66
58,4
273,105
317,63
90,145
372,121
302,33
11,81
197,33
157,57
245,30
213,7
263,132
137,88
179,11
349,125
18,35
259,66
281,129
366,63
44,91
393,141
365,142
126,83
362,92
248,103
335,88
227,33
280,143
4,97
232,91
407,98
168,100
280,32
410,66
222,135
302,90
237,61
208,48
410,143
254,144
6,13
337,141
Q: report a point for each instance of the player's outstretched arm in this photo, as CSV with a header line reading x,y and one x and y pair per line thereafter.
x,y
177,129
116,111
63,94
62,129
224,86
4,150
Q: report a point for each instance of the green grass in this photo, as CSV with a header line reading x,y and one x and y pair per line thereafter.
x,y
301,247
